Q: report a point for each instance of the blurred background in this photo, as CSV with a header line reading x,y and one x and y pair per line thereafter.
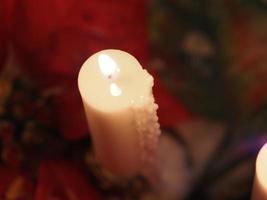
x,y
209,60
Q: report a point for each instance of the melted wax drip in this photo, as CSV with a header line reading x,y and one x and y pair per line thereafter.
x,y
148,128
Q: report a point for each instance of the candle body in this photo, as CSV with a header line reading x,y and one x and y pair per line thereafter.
x,y
121,112
259,191
121,144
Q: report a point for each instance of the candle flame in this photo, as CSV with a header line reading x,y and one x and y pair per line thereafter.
x,y
108,66
115,90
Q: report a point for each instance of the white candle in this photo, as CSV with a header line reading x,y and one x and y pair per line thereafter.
x,y
121,112
260,181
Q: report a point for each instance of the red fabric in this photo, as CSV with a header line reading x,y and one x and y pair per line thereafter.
x,y
251,52
3,37
7,175
171,111
57,43
63,181
70,113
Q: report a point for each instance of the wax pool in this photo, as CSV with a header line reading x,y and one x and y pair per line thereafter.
x,y
121,112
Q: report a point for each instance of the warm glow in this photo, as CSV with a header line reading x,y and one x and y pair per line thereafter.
x,y
108,66
115,90
261,166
